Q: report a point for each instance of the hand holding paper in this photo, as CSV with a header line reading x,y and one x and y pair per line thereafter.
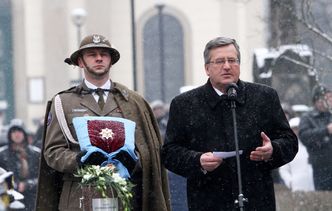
x,y
225,155
209,162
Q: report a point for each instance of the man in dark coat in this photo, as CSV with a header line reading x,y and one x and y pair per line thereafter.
x,y
58,188
200,123
315,132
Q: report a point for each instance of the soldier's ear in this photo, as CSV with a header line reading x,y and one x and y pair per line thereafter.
x,y
80,62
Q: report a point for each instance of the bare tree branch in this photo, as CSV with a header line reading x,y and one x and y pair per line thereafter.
x,y
323,54
309,26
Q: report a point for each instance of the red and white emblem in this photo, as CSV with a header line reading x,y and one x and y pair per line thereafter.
x,y
106,135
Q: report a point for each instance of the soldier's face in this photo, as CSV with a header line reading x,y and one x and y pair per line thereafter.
x,y
328,99
96,62
324,103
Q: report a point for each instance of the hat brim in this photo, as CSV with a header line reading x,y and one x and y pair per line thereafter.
x,y
115,55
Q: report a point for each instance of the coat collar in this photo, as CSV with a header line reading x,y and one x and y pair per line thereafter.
x,y
213,98
317,113
121,89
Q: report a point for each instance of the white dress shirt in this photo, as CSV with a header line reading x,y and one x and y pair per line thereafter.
x,y
107,85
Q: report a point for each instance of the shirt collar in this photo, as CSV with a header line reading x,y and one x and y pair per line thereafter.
x,y
107,85
218,91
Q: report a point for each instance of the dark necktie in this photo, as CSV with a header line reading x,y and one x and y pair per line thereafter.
x,y
100,93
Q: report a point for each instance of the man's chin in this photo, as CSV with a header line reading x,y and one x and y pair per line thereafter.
x,y
101,72
228,81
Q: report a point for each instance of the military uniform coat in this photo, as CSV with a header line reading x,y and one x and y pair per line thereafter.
x,y
315,136
59,156
201,121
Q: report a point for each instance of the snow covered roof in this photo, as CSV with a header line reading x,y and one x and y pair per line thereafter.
x,y
300,108
264,53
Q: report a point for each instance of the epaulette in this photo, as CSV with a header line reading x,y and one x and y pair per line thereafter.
x,y
70,90
122,90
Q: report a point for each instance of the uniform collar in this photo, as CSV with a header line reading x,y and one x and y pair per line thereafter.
x,y
317,113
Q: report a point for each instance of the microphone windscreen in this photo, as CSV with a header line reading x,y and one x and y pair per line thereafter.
x,y
232,89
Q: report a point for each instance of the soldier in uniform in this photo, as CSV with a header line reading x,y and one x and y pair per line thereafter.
x,y
315,132
58,189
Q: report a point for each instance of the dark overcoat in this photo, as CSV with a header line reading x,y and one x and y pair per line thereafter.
x,y
315,136
201,121
58,189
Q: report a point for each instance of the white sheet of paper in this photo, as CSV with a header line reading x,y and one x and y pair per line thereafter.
x,y
226,154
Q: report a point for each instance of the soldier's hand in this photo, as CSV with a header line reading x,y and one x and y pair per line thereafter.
x,y
126,160
95,158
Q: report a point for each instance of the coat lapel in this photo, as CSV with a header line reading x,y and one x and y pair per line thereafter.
x,y
90,103
110,105
88,100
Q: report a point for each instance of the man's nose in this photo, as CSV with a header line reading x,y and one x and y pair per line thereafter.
x,y
226,65
99,56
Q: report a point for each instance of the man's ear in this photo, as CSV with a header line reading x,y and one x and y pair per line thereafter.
x,y
207,69
80,62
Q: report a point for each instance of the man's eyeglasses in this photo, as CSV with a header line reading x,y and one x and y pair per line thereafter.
x,y
221,62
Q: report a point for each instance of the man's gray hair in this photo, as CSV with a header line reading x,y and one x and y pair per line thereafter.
x,y
218,42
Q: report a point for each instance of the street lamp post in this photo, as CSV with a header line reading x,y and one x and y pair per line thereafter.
x,y
160,6
78,16
133,36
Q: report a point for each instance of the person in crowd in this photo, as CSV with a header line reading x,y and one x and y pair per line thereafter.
x,y
61,149
315,131
287,108
177,183
201,125
37,141
161,114
298,173
19,157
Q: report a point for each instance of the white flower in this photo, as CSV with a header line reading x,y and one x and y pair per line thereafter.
x,y
104,178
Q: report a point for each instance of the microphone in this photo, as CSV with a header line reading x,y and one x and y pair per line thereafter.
x,y
232,89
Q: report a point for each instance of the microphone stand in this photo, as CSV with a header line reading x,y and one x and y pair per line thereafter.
x,y
241,199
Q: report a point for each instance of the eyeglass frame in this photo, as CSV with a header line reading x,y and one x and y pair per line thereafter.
x,y
222,61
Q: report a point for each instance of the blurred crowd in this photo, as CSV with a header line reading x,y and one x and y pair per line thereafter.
x,y
19,154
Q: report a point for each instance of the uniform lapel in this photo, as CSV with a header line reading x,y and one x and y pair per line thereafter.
x,y
88,100
110,105
90,103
